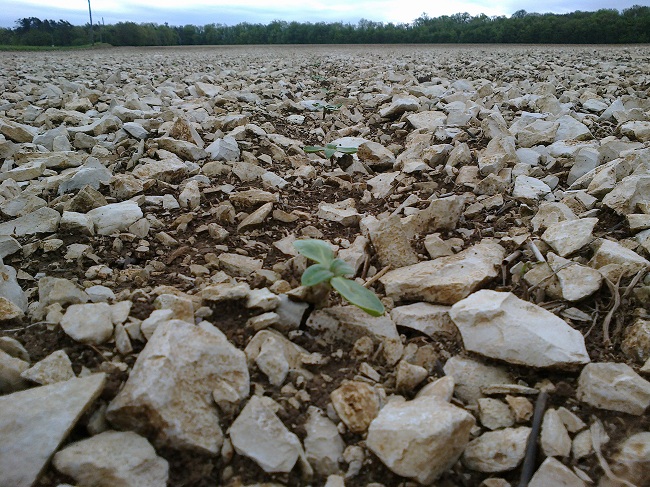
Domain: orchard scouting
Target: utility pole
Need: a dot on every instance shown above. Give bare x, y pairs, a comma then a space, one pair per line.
90, 12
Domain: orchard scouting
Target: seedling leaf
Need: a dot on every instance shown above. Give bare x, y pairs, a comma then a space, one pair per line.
358, 295
316, 250
315, 274
313, 148
341, 268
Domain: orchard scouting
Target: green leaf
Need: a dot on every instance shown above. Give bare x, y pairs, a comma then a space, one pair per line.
329, 152
313, 148
315, 274
347, 150
341, 268
358, 295
316, 250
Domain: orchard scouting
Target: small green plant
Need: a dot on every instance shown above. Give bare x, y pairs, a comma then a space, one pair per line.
331, 270
327, 108
329, 149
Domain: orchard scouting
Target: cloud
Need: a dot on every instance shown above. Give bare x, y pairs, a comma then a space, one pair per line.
202, 12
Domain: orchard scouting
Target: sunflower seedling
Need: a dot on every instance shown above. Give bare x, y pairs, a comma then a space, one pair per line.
331, 270
329, 149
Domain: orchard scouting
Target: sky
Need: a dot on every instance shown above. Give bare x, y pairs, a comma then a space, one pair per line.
230, 12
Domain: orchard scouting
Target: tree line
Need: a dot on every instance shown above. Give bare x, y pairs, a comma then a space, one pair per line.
606, 26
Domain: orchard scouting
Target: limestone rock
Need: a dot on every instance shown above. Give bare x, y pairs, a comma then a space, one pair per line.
34, 422
115, 217
260, 435
10, 290
113, 458
555, 439
632, 461
576, 281
356, 403
495, 414
11, 369
420, 439
497, 451
570, 236
445, 280
471, 376
56, 367
43, 220
429, 319
500, 325
274, 355
409, 376
323, 444
552, 472
225, 149
637, 341
186, 363
343, 212
613, 260
637, 130
614, 386
88, 323
400, 105
349, 323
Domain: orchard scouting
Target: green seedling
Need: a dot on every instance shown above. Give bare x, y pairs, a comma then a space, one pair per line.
328, 108
331, 270
329, 149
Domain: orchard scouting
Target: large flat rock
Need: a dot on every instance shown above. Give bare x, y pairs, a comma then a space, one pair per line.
34, 422
445, 280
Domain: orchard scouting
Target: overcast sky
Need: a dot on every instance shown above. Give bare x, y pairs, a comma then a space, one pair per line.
202, 12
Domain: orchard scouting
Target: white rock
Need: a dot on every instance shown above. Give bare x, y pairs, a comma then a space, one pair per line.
409, 376
495, 414
445, 280
400, 105
471, 376
260, 435
497, 451
43, 220
343, 212
427, 120
420, 439
58, 290
552, 472
638, 130
323, 444
631, 462
576, 281
429, 319
190, 197
136, 130
554, 439
56, 367
186, 363
225, 149
570, 236
350, 323
629, 194
34, 422
116, 458
275, 355
115, 217
88, 323
571, 129
529, 189
500, 325
11, 369
614, 386
613, 260
10, 289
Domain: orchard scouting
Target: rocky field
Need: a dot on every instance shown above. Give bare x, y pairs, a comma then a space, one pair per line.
153, 329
